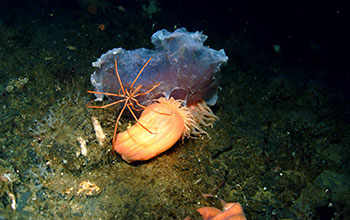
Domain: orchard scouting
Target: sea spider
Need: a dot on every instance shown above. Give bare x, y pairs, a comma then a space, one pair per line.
128, 96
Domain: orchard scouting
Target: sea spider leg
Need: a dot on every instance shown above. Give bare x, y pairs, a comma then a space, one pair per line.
134, 96
128, 96
150, 90
133, 114
116, 124
107, 105
129, 101
155, 85
119, 80
104, 93
104, 106
142, 106
140, 72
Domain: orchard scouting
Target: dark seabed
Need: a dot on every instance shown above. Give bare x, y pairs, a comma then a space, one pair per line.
280, 148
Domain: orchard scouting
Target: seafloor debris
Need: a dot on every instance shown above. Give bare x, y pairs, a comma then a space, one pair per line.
100, 135
7, 179
85, 188
57, 132
83, 149
13, 201
16, 84
88, 188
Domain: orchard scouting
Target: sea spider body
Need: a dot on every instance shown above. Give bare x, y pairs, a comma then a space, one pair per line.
128, 95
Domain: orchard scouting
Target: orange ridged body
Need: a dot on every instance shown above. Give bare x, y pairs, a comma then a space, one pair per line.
232, 211
167, 125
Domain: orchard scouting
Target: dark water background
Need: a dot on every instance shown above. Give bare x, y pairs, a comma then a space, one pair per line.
281, 147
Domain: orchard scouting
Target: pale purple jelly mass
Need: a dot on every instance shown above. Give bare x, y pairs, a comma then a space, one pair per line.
184, 67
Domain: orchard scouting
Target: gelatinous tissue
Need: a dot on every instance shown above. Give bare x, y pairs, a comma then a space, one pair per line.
184, 67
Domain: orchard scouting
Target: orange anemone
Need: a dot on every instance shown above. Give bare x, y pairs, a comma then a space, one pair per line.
230, 211
167, 120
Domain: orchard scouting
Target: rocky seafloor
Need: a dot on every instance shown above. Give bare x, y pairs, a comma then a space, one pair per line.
280, 147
